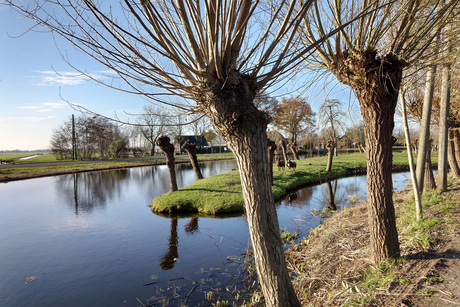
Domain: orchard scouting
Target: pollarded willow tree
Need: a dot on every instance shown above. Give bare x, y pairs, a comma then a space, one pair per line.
216, 56
369, 56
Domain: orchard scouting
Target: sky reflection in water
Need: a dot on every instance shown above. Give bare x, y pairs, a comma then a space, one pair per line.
90, 239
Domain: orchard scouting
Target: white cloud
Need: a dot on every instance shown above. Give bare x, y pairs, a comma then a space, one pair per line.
55, 105
45, 106
49, 77
108, 72
63, 78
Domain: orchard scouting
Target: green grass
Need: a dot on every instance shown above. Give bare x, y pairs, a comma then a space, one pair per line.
414, 232
16, 155
44, 158
222, 193
377, 278
76, 167
8, 174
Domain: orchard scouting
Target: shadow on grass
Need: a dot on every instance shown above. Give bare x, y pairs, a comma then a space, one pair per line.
209, 190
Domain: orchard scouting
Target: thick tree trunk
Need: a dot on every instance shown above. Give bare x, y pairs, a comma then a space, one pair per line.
263, 221
271, 152
376, 81
378, 127
243, 127
330, 154
451, 155
429, 181
168, 148
190, 148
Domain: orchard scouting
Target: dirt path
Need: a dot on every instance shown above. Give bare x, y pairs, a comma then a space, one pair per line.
436, 279
434, 273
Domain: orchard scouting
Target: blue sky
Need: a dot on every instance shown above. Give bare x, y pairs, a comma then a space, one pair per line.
35, 83
34, 80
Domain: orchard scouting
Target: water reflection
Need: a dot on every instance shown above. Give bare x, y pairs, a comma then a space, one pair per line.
192, 226
298, 199
331, 192
89, 190
171, 256
90, 238
86, 191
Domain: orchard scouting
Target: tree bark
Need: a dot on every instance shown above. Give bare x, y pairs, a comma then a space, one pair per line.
451, 155
235, 117
384, 236
457, 144
271, 152
190, 148
330, 154
425, 125
376, 81
429, 181
444, 114
168, 148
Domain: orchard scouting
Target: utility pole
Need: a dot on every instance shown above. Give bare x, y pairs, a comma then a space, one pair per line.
74, 140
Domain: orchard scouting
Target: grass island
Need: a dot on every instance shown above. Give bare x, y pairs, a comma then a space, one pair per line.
221, 194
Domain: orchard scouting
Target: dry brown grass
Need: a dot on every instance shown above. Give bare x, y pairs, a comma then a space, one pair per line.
332, 259
332, 266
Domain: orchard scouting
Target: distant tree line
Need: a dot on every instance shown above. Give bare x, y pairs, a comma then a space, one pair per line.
95, 137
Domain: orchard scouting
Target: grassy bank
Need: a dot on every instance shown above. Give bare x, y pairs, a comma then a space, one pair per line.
15, 156
221, 194
333, 266
47, 165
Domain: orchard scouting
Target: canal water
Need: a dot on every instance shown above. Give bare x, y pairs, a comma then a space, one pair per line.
90, 239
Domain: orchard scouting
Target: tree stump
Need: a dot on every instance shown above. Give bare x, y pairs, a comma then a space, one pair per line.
168, 148
282, 144
293, 148
330, 154
190, 148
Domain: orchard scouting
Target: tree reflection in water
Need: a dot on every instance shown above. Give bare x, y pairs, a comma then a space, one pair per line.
299, 199
86, 191
192, 225
331, 191
171, 256
89, 190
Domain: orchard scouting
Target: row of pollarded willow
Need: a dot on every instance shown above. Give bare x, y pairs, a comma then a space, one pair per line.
214, 55
370, 56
